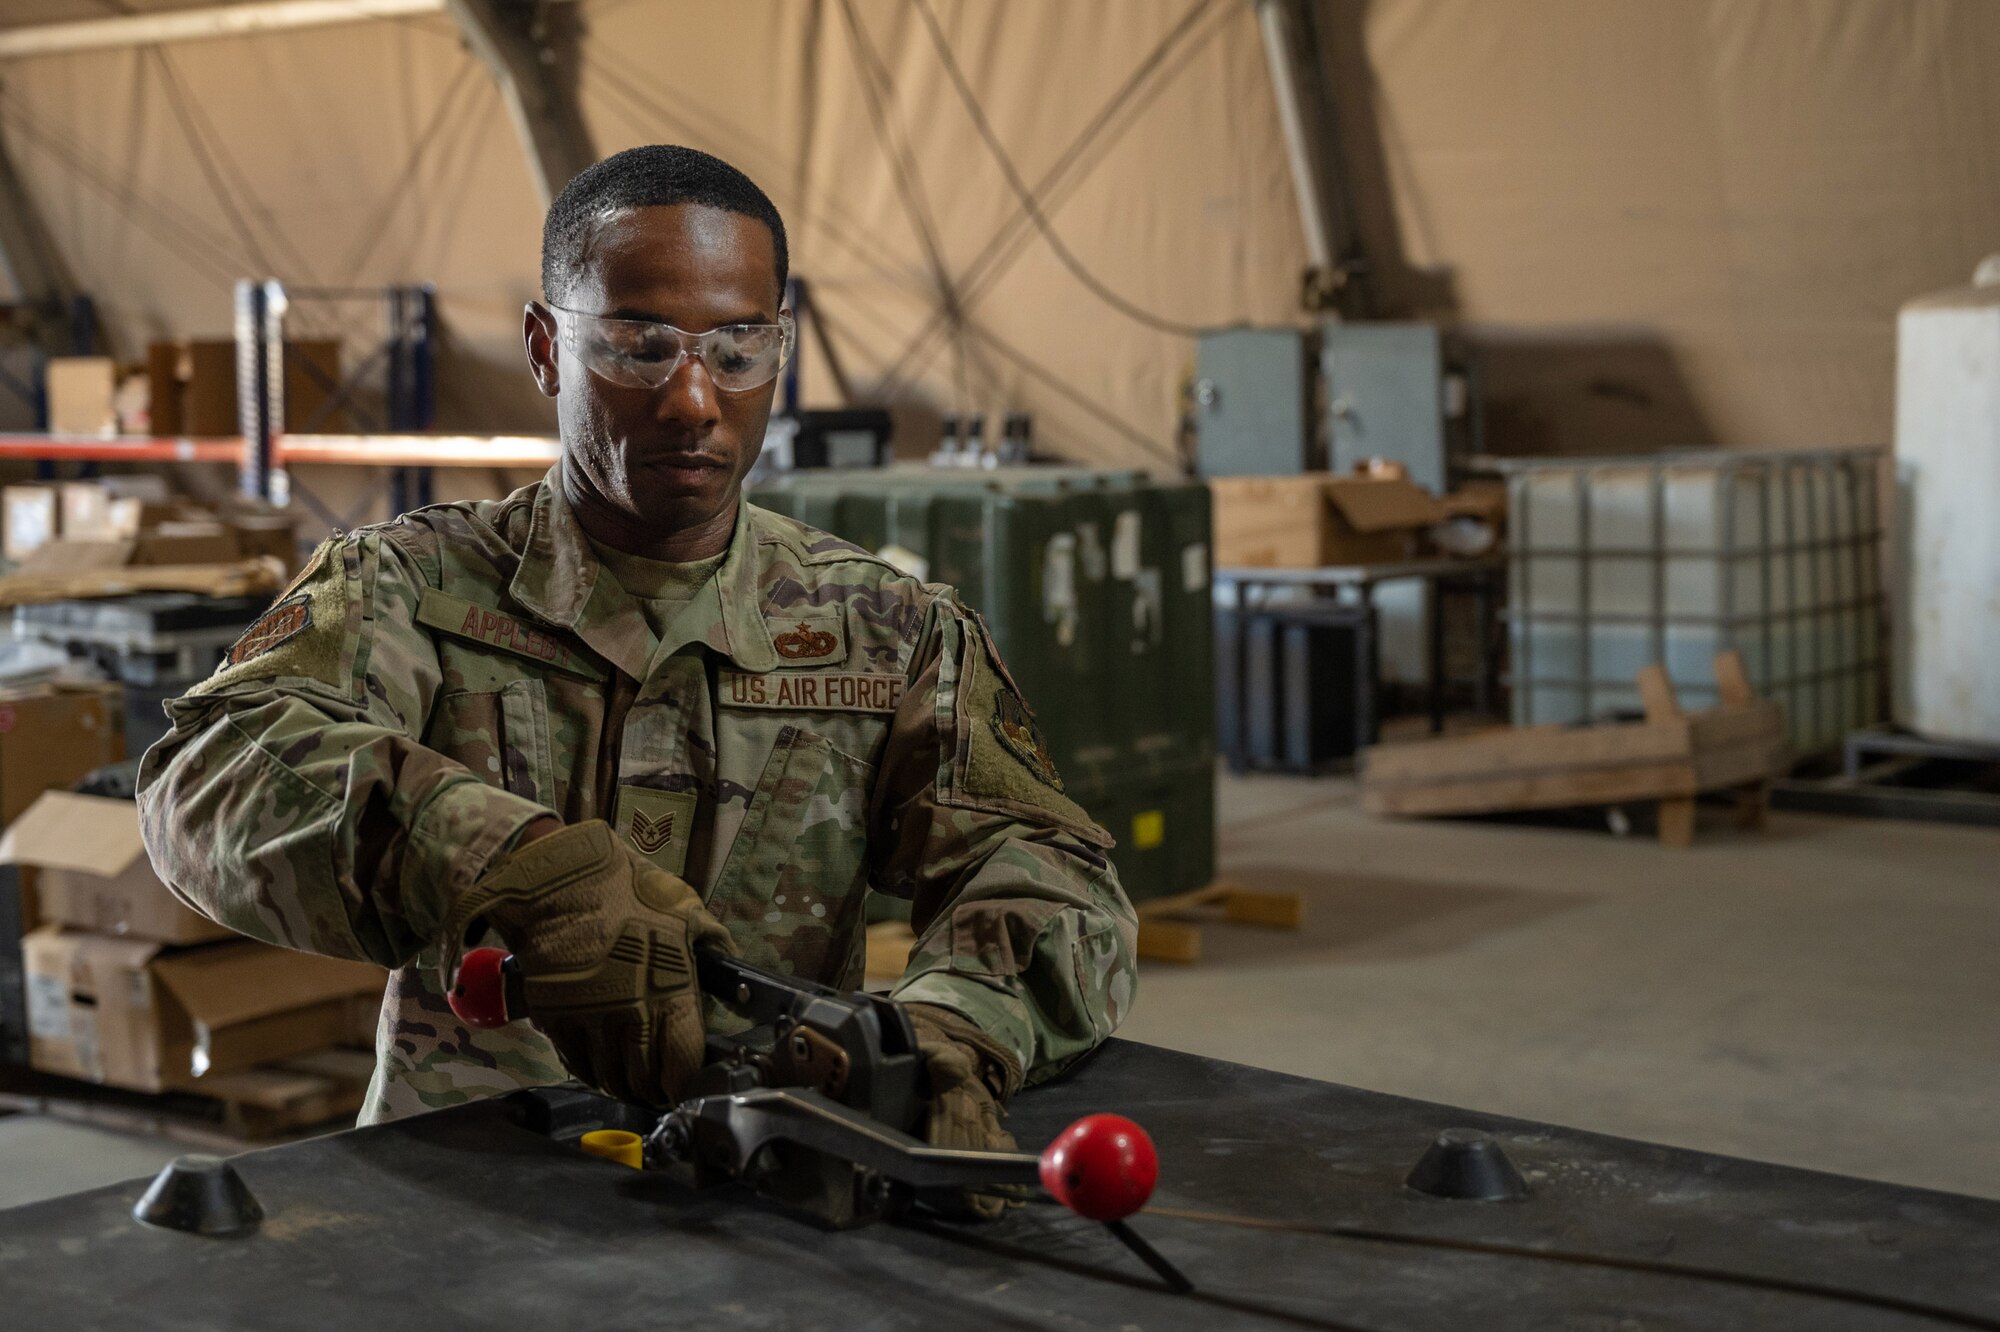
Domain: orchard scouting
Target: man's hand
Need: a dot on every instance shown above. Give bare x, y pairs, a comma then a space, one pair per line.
605, 943
971, 1076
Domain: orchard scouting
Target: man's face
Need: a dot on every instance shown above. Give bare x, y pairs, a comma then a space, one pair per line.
666, 460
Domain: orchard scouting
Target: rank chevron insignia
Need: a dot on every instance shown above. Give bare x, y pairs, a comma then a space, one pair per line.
652, 835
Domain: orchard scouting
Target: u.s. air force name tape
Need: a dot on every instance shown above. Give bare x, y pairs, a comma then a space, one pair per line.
812, 691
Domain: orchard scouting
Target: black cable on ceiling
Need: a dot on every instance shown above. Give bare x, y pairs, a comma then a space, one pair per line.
1129, 309
231, 170
878, 91
1063, 388
372, 232
1068, 170
825, 212
154, 218
245, 236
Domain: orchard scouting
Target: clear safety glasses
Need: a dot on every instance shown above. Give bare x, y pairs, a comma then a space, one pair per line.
641, 353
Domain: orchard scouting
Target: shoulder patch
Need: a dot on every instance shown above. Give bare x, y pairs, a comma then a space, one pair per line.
280, 624
304, 635
1001, 760
1015, 725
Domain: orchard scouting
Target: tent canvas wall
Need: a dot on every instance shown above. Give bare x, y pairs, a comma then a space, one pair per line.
1664, 224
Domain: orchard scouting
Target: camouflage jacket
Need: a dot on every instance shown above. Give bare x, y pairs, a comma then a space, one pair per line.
814, 724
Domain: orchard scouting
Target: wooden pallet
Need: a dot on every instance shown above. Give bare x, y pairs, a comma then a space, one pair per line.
1668, 759
272, 1101
889, 945
1166, 934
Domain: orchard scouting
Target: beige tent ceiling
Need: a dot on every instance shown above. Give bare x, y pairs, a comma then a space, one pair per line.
1664, 221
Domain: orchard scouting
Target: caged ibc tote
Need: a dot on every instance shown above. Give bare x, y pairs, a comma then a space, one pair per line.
1096, 587
1615, 563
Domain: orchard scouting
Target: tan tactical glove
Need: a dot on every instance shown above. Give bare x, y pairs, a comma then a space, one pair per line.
604, 940
971, 1075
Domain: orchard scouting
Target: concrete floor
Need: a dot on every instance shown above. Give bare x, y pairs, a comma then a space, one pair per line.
1825, 993
42, 1157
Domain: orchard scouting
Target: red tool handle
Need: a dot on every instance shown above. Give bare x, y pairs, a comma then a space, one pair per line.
1102, 1167
479, 991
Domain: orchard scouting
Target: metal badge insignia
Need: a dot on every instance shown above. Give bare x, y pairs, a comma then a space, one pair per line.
286, 620
1020, 737
805, 643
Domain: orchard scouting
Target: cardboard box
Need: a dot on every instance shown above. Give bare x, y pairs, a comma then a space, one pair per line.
1315, 520
80, 392
1483, 500
1269, 522
208, 388
134, 1013
31, 519
51, 737
178, 541
274, 534
193, 387
207, 542
92, 872
86, 510
126, 517
84, 555
1376, 519
149, 486
163, 389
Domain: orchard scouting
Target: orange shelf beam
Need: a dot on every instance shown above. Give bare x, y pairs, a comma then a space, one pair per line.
338, 450
63, 448
421, 450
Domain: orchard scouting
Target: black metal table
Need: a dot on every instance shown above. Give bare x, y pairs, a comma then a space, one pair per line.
468, 1218
1481, 578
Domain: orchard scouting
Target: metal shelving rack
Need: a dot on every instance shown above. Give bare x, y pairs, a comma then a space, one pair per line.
263, 451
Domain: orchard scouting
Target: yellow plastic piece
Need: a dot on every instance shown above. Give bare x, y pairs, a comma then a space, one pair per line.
627, 1149
1149, 829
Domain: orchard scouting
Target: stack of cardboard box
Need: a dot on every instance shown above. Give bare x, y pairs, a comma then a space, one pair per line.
127, 987
119, 522
186, 389
49, 737
1322, 519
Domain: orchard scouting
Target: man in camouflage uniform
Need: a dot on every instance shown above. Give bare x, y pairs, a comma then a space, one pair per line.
415, 743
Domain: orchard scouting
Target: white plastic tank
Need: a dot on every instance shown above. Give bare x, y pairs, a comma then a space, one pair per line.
1948, 470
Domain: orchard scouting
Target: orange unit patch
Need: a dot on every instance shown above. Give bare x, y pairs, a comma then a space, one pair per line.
284, 621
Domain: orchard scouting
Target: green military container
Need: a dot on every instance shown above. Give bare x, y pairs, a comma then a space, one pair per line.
1096, 586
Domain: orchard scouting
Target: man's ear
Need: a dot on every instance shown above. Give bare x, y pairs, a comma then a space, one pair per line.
538, 333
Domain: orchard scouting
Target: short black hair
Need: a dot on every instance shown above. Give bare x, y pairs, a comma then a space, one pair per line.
654, 175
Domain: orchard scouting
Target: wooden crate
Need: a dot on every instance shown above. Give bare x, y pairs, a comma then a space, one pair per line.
1670, 758
271, 1101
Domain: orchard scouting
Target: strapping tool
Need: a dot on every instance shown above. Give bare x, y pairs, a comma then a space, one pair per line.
816, 1108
